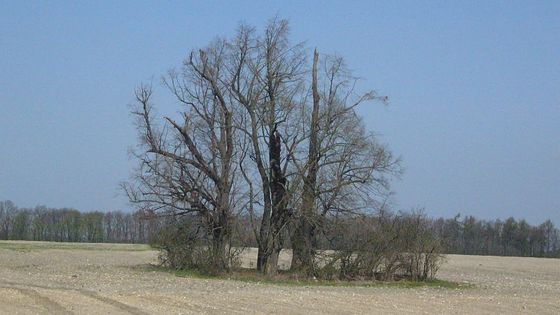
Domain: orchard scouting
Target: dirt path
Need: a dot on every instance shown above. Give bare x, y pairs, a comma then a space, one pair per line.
103, 280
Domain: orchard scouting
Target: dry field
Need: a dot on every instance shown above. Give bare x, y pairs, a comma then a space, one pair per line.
58, 278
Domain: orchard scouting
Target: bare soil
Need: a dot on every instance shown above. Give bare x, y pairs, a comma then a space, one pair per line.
62, 278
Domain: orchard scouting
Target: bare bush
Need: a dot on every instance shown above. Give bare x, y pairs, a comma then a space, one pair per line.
183, 246
385, 247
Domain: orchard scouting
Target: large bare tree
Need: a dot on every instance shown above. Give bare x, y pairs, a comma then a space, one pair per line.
187, 164
259, 131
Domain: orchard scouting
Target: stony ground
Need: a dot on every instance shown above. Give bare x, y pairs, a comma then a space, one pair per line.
55, 278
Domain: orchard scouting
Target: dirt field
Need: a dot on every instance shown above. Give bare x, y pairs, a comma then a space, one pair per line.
57, 278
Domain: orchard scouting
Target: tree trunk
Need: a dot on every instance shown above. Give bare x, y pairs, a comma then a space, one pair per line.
219, 262
304, 234
219, 241
264, 231
271, 266
221, 230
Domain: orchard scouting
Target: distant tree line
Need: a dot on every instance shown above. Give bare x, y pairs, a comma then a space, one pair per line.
70, 225
471, 236
468, 235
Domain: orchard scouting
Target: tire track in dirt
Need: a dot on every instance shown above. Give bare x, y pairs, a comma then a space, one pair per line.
51, 306
192, 306
55, 308
121, 306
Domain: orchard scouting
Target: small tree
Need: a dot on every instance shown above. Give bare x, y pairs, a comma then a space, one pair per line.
345, 170
7, 212
20, 230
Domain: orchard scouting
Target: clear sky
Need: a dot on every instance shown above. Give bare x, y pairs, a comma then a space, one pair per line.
474, 93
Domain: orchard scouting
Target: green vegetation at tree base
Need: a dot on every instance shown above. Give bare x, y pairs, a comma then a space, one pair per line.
287, 278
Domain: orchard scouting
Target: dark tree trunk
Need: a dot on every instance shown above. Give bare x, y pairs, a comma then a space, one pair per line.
272, 243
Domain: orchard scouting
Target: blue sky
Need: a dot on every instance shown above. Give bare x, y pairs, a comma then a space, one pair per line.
474, 93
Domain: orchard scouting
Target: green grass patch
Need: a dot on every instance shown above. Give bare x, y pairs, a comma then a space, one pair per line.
288, 279
26, 246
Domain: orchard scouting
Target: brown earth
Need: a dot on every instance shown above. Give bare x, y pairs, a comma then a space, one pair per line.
61, 278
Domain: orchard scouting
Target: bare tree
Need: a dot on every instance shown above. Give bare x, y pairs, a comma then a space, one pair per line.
302, 238
346, 168
7, 214
187, 166
267, 82
250, 112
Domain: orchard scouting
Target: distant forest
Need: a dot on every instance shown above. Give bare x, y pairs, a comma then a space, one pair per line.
459, 235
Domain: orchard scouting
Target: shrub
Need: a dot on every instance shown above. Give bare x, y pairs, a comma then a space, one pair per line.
386, 247
183, 246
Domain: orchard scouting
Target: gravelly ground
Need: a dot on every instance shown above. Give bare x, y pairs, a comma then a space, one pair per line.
103, 279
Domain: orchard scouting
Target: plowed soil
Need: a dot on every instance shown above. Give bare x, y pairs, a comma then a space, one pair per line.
62, 278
